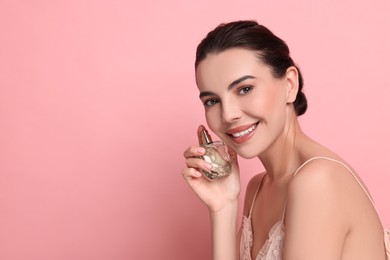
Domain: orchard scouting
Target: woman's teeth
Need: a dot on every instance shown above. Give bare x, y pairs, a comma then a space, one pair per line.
245, 132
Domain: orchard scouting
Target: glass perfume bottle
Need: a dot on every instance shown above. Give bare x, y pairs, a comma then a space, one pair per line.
216, 154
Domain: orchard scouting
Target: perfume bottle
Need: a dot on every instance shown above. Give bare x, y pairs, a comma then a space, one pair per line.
216, 154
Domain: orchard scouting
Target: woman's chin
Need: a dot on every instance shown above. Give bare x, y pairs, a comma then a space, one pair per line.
247, 154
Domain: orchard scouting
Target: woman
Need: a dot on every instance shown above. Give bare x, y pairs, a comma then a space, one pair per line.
309, 203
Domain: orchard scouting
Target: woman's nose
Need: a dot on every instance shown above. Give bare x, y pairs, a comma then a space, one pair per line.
231, 111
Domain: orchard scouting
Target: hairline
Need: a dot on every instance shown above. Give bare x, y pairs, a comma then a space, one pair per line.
259, 55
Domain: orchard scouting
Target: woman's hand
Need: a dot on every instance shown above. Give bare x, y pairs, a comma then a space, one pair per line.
216, 194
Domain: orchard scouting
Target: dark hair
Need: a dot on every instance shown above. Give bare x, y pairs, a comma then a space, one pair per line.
271, 50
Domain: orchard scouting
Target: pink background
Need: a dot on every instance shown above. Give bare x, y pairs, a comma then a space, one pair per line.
98, 102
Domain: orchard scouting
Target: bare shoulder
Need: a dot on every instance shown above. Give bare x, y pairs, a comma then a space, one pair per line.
324, 187
321, 174
251, 189
329, 181
326, 203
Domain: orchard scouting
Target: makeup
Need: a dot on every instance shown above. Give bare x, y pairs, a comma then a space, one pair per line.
217, 155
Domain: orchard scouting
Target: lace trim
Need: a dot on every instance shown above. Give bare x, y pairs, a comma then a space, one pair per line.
246, 240
387, 243
272, 248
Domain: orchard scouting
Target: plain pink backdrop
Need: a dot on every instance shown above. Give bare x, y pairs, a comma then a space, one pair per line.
98, 102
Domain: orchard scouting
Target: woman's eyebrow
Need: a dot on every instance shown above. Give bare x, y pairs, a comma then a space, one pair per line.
231, 85
206, 93
239, 80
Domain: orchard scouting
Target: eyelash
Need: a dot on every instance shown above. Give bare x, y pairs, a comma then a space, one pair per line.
247, 90
212, 101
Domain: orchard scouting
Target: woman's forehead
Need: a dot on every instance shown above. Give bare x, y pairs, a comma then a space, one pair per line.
227, 66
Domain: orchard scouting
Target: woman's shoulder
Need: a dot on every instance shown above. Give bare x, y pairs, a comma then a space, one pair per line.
327, 197
325, 184
322, 167
318, 194
322, 171
255, 181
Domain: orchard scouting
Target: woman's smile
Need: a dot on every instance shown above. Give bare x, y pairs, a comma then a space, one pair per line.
242, 134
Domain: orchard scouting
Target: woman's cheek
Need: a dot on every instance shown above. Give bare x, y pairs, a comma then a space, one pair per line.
212, 119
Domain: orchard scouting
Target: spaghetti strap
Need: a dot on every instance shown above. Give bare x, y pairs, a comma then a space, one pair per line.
257, 191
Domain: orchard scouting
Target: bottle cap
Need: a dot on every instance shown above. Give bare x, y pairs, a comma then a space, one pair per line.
205, 137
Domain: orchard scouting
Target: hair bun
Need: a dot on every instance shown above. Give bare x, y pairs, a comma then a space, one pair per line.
300, 103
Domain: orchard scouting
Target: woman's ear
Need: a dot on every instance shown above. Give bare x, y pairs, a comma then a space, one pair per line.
292, 84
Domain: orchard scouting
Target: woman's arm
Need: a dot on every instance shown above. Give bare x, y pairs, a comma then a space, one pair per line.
316, 222
224, 232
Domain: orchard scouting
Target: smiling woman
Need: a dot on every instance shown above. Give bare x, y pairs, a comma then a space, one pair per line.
252, 94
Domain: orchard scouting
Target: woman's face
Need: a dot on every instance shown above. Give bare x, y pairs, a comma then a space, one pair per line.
245, 105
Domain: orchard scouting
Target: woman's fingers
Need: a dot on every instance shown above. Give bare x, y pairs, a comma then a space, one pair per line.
198, 163
198, 132
194, 151
194, 162
190, 173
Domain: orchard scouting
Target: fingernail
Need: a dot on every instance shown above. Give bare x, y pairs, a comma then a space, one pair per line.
200, 150
208, 165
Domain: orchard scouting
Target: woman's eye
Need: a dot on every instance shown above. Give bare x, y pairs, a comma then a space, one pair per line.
210, 102
245, 90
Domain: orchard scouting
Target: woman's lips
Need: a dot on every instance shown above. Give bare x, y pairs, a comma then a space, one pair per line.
243, 133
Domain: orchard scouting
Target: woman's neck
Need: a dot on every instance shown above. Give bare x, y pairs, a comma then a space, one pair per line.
282, 158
